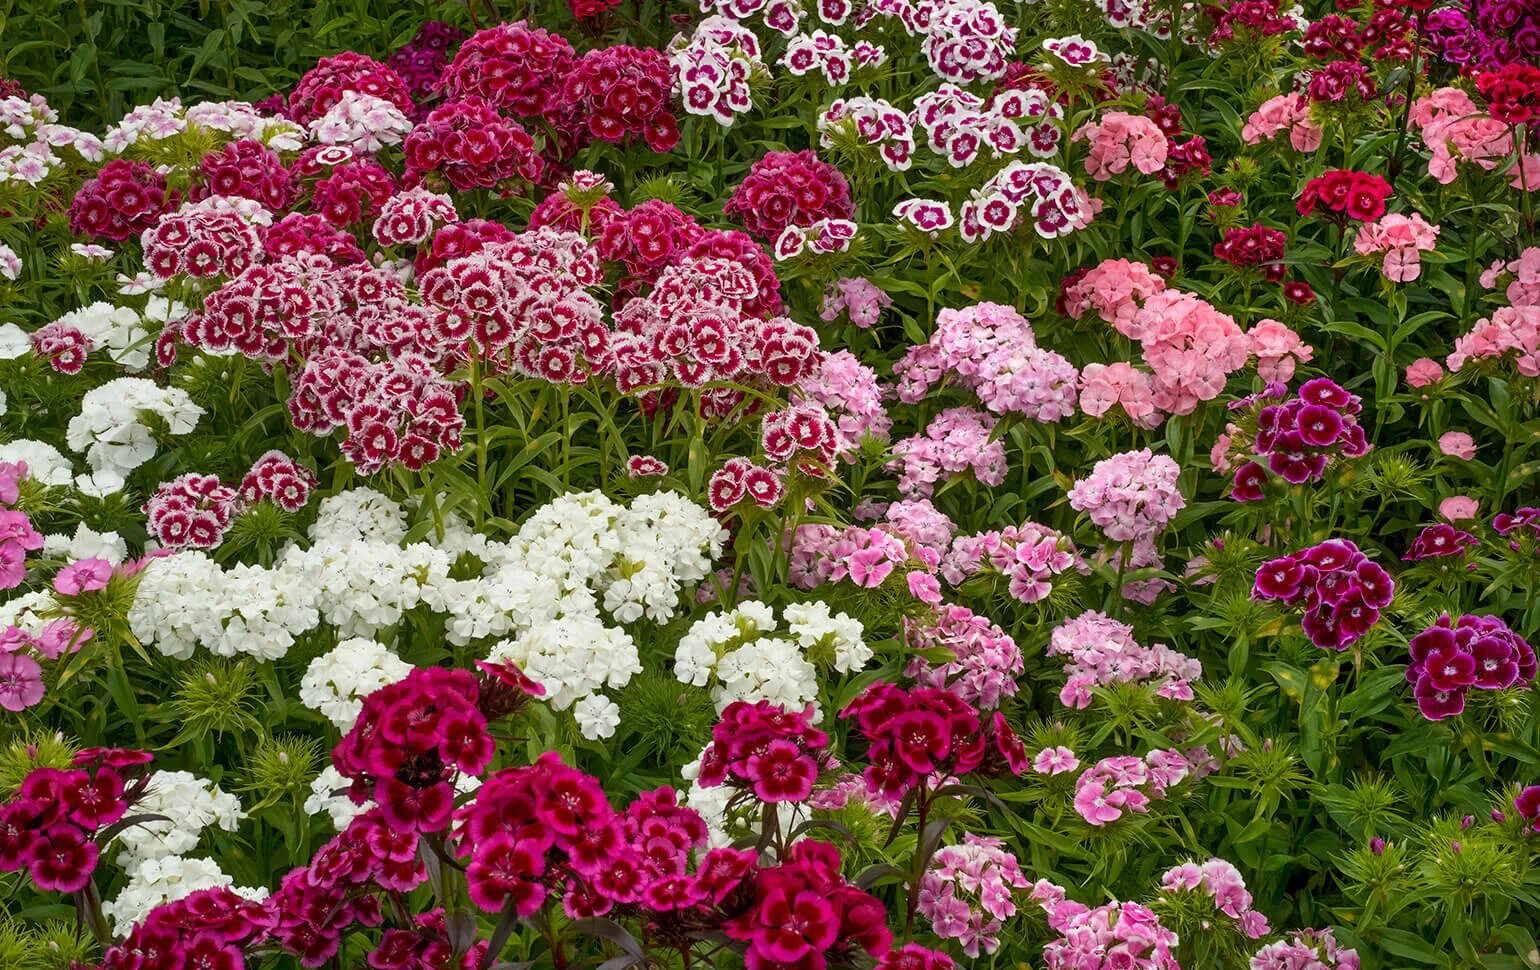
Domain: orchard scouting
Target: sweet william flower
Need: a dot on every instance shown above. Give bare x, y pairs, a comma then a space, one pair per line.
21, 682
1457, 444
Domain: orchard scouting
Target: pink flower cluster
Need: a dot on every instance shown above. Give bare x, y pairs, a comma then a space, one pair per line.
123, 199
472, 146
917, 736
1221, 881
1119, 141
1511, 332
325, 84
208, 928
63, 346
1457, 131
1401, 240
514, 67
1122, 784
740, 481
857, 297
1102, 651
624, 92
1284, 113
775, 753
1341, 590
955, 441
967, 41
848, 392
990, 349
1306, 950
191, 511
966, 892
1520, 277
984, 664
1131, 496
1028, 556
825, 554
248, 169
203, 240
1115, 934
1452, 657
410, 218
17, 536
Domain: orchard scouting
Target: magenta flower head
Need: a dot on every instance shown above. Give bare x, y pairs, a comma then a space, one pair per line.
1452, 657
1248, 483
1342, 592
767, 749
1527, 804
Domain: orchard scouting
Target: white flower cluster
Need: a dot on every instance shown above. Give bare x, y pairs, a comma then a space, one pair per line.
735, 654
361, 122
10, 263
337, 682
111, 432
190, 804
45, 463
86, 543
32, 612
118, 330
166, 118
33, 125
155, 882
554, 590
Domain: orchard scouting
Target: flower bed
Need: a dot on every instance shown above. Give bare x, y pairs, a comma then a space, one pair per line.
899, 484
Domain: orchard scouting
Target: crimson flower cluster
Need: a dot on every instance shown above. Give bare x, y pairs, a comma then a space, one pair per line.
422, 60
122, 200
1452, 657
1182, 157
740, 481
470, 144
248, 169
204, 241
645, 239
1254, 246
801, 433
210, 928
766, 749
63, 346
307, 232
512, 67
926, 735
191, 511
352, 192
1300, 436
1249, 21
414, 737
1341, 590
332, 77
624, 91
1527, 804
1345, 194
49, 826
1512, 92
789, 189
1333, 83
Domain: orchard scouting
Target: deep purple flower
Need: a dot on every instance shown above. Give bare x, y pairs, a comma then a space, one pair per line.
1318, 425
1248, 482
1436, 704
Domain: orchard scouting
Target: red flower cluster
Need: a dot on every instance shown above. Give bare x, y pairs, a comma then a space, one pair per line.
805, 914
1248, 21
412, 739
1345, 194
740, 480
191, 511
248, 169
1182, 157
461, 239
766, 749
47, 826
1512, 92
353, 192
646, 239
740, 248
926, 734
63, 346
472, 146
1333, 83
1254, 246
1341, 590
124, 199
511, 66
421, 61
325, 84
624, 91
280, 479
789, 188
203, 240
210, 928
801, 433
306, 232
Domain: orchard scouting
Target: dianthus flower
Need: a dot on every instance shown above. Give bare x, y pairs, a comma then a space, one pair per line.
1102, 652
470, 144
1124, 784
1256, 246
955, 441
1286, 112
123, 199
624, 92
511, 66
1028, 557
1130, 496
1299, 437
1119, 141
1340, 589
248, 169
1121, 934
984, 664
1401, 239
1306, 950
919, 736
966, 892
789, 188
191, 511
1452, 657
1221, 885
764, 748
1344, 194
1511, 332
324, 85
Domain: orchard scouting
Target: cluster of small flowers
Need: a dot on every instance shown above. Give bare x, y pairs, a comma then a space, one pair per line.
624, 92
154, 883
955, 441
1511, 332
858, 298
1123, 784
421, 61
819, 51
1039, 191
1028, 556
1341, 590
966, 892
1457, 131
769, 749
1222, 882
1131, 496
990, 349
212, 925
1399, 240
826, 554
34, 127
985, 661
1119, 141
472, 146
1451, 657
1102, 651
876, 123
64, 347
191, 511
1283, 113
713, 68
785, 189
1121, 934
246, 169
49, 825
358, 121
324, 85
1440, 541
336, 683
967, 41
1345, 194
123, 199
822, 237
915, 737
28, 637
1306, 950
111, 428
960, 125
1300, 436
737, 654
1254, 247
1519, 277
212, 238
